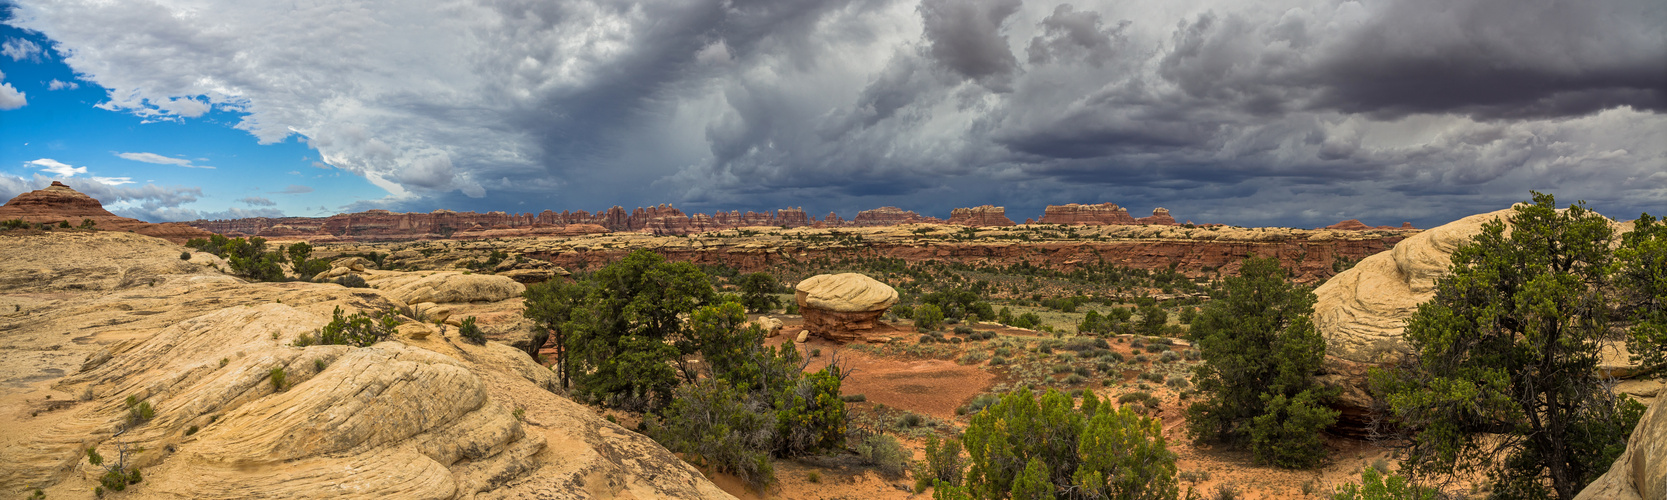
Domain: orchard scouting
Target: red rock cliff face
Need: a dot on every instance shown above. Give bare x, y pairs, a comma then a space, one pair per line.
59, 202
980, 216
886, 216
1160, 216
1074, 214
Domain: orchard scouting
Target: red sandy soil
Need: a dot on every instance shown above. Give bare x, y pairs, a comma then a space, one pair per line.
936, 387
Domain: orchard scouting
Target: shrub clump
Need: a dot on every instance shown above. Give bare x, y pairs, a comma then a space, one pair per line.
884, 453
1030, 447
470, 332
357, 330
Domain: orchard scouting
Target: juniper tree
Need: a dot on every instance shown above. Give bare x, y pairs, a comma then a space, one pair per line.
1261, 351
1503, 379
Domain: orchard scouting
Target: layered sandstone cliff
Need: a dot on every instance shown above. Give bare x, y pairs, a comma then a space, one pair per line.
1075, 214
980, 216
884, 216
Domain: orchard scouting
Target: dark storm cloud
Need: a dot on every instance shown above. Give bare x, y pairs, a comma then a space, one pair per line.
1291, 111
1069, 33
1501, 59
966, 37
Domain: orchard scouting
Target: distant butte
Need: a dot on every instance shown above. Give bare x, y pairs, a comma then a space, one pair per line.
60, 203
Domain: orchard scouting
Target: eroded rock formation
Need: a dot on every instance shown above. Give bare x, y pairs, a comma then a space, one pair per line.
844, 307
1160, 216
980, 216
1075, 214
885, 216
59, 203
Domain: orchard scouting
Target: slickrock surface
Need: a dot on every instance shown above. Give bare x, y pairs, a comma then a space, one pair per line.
421, 415
1641, 472
59, 202
843, 307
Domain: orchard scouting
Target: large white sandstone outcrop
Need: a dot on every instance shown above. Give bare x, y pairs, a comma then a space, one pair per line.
422, 415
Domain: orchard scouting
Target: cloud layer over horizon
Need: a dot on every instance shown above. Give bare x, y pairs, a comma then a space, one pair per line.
1293, 112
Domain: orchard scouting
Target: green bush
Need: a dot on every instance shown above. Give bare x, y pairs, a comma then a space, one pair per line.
1261, 352
758, 292
278, 379
944, 462
884, 453
470, 332
1375, 485
139, 412
1095, 451
352, 281
810, 417
710, 422
928, 317
357, 330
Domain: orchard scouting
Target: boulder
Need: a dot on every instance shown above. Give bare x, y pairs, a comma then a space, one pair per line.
771, 326
1641, 471
844, 307
528, 276
356, 264
804, 335
447, 287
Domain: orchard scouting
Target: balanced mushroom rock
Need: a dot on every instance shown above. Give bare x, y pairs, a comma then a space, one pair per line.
844, 307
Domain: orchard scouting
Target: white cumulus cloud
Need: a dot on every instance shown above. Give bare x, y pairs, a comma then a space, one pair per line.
19, 49
10, 97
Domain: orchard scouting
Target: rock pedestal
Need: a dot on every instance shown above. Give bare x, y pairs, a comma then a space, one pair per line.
844, 307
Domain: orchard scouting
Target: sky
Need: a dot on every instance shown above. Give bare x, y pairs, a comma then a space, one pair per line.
1285, 112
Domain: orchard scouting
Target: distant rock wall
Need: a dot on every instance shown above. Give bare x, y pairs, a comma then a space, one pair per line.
382, 225
1074, 214
980, 216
